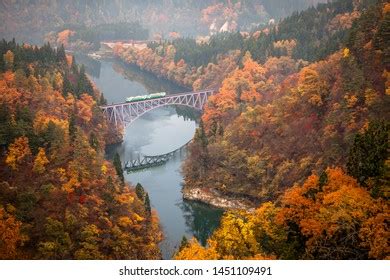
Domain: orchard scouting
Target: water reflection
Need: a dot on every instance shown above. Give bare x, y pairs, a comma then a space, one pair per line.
92, 66
201, 219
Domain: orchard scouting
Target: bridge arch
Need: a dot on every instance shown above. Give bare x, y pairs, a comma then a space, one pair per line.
126, 113
159, 106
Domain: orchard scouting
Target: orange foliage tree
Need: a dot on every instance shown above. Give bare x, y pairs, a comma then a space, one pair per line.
327, 217
10, 236
18, 153
334, 215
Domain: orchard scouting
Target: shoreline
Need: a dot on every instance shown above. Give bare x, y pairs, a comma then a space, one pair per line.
217, 199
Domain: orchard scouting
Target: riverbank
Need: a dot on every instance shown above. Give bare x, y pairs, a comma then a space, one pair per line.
217, 199
157, 75
152, 135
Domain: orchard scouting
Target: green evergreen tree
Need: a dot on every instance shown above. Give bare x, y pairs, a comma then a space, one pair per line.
83, 83
382, 38
200, 135
140, 192
6, 126
66, 86
118, 167
369, 152
93, 141
184, 243
148, 208
2, 64
109, 193
52, 136
72, 127
74, 68
102, 100
323, 179
61, 56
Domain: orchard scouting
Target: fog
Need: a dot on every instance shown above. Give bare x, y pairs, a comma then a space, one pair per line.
34, 21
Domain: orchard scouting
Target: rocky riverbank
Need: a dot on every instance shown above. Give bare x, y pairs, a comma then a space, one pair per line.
217, 199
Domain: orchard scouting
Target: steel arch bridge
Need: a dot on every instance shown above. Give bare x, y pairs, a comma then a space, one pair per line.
126, 113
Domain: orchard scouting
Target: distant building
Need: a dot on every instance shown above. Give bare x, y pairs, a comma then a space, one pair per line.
213, 27
225, 27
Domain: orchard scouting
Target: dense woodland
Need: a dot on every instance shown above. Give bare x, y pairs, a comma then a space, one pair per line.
313, 142
82, 38
29, 21
59, 197
299, 125
305, 36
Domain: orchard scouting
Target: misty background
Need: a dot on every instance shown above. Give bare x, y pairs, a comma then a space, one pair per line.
33, 21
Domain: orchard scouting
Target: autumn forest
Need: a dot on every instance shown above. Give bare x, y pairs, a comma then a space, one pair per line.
294, 142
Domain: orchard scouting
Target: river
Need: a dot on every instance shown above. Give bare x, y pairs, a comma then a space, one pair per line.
159, 131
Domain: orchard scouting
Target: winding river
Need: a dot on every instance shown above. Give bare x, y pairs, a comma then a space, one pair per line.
157, 132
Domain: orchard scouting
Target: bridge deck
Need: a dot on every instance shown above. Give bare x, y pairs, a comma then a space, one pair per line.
166, 96
127, 112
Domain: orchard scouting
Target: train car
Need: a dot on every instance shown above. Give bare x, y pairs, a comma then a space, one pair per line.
145, 97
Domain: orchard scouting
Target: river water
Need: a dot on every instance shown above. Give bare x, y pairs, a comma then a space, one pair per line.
157, 132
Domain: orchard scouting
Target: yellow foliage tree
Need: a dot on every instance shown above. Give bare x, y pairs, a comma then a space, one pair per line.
235, 239
18, 152
40, 162
84, 107
195, 251
311, 87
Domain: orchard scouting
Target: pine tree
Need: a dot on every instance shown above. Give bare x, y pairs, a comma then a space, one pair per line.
102, 100
140, 192
369, 152
7, 131
147, 204
118, 167
83, 83
72, 127
2, 64
93, 141
184, 243
61, 56
200, 135
66, 86
323, 179
74, 68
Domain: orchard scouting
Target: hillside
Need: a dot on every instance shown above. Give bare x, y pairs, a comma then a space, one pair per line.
293, 145
282, 121
306, 36
312, 145
30, 21
59, 197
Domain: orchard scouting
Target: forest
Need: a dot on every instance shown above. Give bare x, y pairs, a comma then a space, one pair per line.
82, 38
299, 126
206, 64
59, 197
311, 144
29, 21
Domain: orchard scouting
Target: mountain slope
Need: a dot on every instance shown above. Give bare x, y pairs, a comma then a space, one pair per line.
29, 21
59, 197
